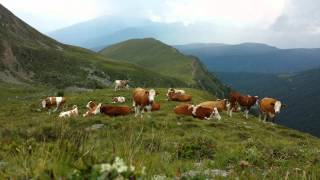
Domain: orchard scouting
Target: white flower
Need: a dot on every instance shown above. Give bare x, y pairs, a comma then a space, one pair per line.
132, 168
143, 171
106, 167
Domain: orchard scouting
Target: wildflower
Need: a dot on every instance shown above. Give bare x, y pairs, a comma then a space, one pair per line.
105, 167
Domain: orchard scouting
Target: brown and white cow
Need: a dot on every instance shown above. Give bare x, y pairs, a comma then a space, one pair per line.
50, 102
143, 99
121, 84
184, 109
205, 113
155, 107
119, 99
270, 107
179, 97
71, 113
233, 99
247, 102
110, 110
221, 105
181, 91
93, 109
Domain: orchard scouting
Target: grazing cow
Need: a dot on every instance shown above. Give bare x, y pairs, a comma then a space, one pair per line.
73, 112
121, 84
50, 102
143, 99
270, 107
221, 105
205, 113
184, 109
179, 97
247, 102
93, 109
233, 99
118, 99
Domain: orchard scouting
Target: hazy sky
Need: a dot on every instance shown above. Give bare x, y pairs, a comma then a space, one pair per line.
283, 23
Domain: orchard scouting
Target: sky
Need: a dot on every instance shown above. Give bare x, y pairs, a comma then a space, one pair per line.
283, 23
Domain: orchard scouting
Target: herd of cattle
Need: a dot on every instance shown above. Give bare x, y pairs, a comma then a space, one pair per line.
144, 101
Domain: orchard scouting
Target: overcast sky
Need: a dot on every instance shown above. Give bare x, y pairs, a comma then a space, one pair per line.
284, 23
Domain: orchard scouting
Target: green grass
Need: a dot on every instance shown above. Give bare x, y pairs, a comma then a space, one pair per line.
34, 144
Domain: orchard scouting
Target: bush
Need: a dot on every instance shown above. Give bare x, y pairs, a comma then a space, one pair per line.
196, 148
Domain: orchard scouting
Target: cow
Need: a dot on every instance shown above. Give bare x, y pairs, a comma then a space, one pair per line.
94, 109
115, 110
184, 109
73, 112
221, 105
50, 102
155, 107
233, 99
118, 99
205, 113
269, 107
179, 97
247, 102
143, 99
121, 84
175, 91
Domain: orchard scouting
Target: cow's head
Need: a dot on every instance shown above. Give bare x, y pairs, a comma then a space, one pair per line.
151, 94
91, 105
215, 114
74, 107
44, 103
277, 106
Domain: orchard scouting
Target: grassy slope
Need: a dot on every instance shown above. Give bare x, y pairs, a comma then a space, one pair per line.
34, 144
159, 57
43, 60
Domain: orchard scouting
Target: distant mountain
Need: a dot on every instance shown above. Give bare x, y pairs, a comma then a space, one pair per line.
98, 33
299, 91
27, 56
157, 56
253, 57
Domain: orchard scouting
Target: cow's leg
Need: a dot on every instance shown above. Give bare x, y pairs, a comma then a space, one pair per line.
141, 111
265, 117
136, 110
115, 88
149, 110
246, 112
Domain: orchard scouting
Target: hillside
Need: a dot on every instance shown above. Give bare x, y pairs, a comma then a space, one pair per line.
159, 57
27, 56
36, 145
299, 91
253, 58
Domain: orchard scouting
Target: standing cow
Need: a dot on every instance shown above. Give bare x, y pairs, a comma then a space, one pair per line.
233, 99
119, 84
143, 99
270, 107
50, 102
247, 102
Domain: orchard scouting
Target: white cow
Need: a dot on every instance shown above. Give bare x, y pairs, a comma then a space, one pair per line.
73, 112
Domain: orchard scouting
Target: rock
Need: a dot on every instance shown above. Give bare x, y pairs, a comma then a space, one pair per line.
94, 127
244, 164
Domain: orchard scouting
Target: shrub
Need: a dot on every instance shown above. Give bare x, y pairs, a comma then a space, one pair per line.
196, 148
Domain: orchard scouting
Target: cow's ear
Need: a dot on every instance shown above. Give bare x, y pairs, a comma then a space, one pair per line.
272, 104
283, 106
147, 92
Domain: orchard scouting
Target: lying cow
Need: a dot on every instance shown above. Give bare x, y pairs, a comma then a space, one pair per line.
205, 113
118, 99
175, 91
221, 105
94, 109
50, 102
179, 97
121, 84
246, 102
155, 107
143, 99
184, 109
73, 112
270, 107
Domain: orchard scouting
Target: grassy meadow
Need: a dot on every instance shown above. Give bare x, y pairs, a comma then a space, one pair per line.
38, 146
